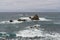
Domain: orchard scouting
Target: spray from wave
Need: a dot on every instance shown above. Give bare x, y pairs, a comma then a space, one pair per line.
38, 33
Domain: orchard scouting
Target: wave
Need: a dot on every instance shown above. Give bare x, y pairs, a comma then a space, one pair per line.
7, 22
34, 33
38, 34
40, 19
44, 19
29, 32
26, 18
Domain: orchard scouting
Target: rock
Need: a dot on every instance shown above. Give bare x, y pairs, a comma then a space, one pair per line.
31, 27
11, 20
30, 17
34, 17
21, 20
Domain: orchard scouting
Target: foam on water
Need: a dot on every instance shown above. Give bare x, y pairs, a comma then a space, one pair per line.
7, 22
44, 19
40, 19
29, 32
26, 18
38, 33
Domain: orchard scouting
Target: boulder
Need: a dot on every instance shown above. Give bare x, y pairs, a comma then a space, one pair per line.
11, 21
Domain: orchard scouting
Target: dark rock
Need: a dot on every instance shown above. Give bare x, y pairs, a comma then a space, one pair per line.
31, 27
34, 17
11, 20
29, 17
21, 20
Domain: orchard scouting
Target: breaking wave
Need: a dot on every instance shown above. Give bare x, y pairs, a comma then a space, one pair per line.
38, 33
34, 34
7, 22
30, 32
40, 19
26, 18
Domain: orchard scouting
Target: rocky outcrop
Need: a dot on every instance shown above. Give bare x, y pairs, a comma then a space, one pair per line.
34, 17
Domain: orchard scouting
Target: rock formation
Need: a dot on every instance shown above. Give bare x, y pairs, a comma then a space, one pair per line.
34, 17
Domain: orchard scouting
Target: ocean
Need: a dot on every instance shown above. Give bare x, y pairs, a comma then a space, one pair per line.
49, 26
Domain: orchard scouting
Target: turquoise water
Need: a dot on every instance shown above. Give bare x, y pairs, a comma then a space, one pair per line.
51, 28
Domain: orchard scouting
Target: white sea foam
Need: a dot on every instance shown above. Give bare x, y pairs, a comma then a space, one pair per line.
44, 19
26, 18
7, 22
40, 19
38, 33
30, 32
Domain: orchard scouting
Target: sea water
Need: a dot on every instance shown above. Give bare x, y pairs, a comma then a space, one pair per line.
49, 26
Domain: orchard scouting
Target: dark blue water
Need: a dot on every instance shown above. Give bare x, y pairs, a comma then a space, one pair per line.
52, 26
